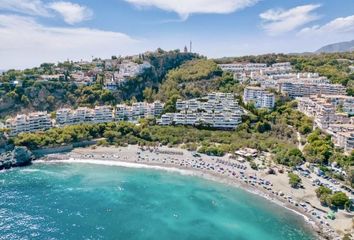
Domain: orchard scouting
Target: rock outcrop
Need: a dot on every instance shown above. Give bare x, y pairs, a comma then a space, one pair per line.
19, 156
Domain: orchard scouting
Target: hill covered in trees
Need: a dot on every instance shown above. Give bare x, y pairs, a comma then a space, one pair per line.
37, 95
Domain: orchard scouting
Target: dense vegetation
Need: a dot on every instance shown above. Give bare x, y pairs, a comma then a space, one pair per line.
34, 94
192, 79
150, 134
337, 199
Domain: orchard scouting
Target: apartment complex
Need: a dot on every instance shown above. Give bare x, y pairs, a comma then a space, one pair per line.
345, 140
242, 67
259, 96
324, 110
217, 110
138, 110
256, 71
100, 114
305, 89
32, 122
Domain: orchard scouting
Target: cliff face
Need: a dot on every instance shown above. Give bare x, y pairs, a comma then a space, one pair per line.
19, 156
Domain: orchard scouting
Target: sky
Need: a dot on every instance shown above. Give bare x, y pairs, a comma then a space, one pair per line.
37, 31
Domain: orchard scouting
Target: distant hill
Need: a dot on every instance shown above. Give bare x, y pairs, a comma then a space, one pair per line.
337, 47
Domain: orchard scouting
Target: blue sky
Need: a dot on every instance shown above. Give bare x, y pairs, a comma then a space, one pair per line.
35, 31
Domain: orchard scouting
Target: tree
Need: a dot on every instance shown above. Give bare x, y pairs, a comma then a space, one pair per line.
263, 127
170, 105
294, 180
25, 100
148, 94
322, 190
339, 199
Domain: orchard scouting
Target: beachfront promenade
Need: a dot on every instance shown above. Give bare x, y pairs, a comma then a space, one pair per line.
233, 171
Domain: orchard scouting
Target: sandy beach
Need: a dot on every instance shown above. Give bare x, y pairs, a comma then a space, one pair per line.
224, 169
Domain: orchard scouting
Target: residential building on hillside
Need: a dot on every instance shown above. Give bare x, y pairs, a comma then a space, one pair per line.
343, 103
259, 96
324, 111
100, 114
300, 89
217, 110
345, 140
281, 65
256, 71
32, 122
52, 77
138, 110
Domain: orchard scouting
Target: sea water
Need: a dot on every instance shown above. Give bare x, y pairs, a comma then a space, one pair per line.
83, 201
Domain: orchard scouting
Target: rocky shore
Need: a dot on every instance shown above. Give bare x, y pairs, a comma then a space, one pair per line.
18, 157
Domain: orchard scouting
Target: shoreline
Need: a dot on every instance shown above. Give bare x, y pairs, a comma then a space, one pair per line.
192, 173
167, 159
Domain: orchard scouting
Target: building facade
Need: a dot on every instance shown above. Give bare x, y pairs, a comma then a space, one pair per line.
32, 122
216, 110
259, 96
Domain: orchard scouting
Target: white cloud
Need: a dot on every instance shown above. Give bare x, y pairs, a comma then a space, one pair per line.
342, 25
71, 12
278, 21
31, 7
26, 43
186, 7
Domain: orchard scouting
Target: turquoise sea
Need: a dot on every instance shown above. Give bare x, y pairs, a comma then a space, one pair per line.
83, 201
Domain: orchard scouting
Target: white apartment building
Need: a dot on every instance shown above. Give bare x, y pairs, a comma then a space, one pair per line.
343, 102
32, 122
138, 110
281, 65
301, 89
333, 129
345, 140
338, 124
123, 113
222, 120
259, 96
217, 110
232, 67
67, 116
213, 102
167, 119
242, 67
322, 110
100, 114
256, 71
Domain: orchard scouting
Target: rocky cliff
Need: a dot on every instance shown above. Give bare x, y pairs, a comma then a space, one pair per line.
19, 156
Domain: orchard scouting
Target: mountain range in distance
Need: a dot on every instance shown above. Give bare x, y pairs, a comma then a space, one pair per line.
337, 47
